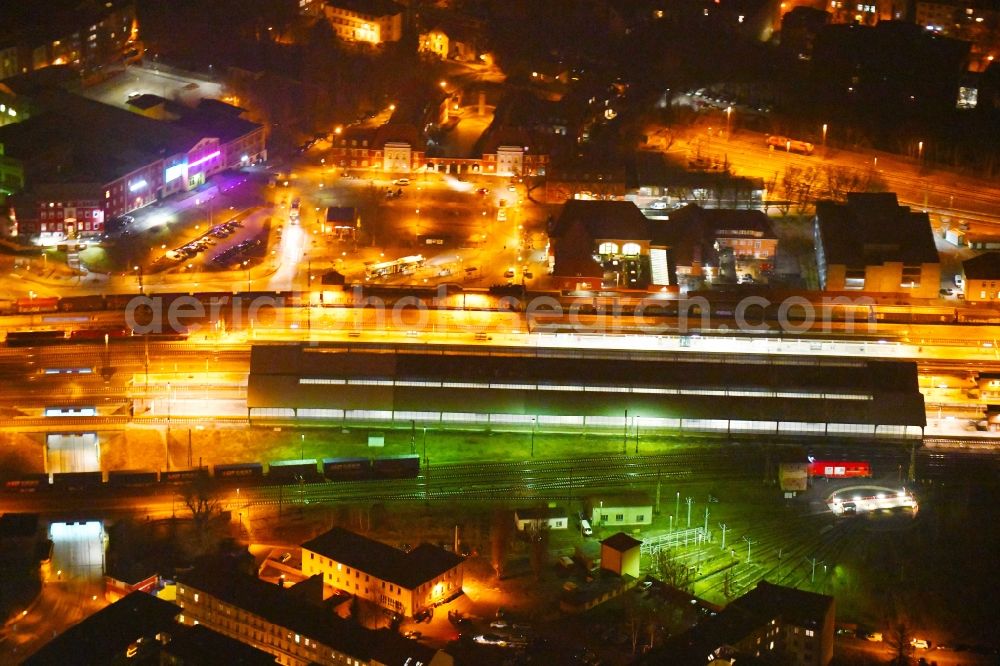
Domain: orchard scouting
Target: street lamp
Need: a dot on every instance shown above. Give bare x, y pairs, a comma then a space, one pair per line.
824, 135
138, 272
246, 265
636, 434
729, 114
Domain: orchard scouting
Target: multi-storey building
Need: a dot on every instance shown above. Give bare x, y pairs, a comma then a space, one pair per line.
873, 244
402, 582
611, 244
87, 35
982, 278
292, 623
770, 623
80, 162
975, 21
368, 21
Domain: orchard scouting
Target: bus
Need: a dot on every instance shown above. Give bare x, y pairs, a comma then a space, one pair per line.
403, 266
790, 145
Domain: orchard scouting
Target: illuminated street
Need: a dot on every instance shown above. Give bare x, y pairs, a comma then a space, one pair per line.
497, 333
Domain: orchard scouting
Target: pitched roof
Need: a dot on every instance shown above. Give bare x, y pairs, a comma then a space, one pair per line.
574, 253
805, 609
14, 525
872, 229
200, 645
282, 606
983, 267
691, 232
620, 220
621, 542
540, 513
741, 618
390, 564
368, 7
104, 636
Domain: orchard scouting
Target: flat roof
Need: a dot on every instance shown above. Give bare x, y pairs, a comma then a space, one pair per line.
872, 229
727, 387
77, 139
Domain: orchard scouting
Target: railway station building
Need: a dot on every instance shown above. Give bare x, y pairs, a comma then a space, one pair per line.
504, 388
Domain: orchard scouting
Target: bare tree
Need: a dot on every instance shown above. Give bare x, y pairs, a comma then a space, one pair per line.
805, 188
898, 639
199, 498
634, 619
669, 569
538, 542
500, 533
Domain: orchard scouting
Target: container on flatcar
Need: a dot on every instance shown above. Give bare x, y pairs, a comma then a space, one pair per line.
347, 469
397, 467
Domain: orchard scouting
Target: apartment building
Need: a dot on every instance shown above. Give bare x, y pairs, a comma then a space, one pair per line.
402, 582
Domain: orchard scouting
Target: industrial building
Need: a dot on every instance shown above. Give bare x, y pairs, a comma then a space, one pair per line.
573, 390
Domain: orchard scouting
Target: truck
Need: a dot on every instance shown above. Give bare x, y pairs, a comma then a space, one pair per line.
777, 142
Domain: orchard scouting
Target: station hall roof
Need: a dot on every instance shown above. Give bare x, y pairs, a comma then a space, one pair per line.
559, 382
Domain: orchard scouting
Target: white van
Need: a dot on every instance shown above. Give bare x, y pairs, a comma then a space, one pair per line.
586, 528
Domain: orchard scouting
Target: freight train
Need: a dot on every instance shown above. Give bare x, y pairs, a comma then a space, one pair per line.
275, 473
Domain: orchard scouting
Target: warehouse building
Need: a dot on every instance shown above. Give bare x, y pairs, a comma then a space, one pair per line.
573, 390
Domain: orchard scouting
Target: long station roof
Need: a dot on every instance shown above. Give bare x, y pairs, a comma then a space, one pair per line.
536, 382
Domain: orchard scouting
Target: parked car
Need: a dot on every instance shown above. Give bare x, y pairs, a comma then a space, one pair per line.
659, 204
402, 182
